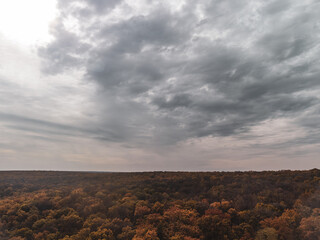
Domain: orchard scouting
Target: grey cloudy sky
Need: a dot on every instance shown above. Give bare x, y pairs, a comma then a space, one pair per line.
163, 85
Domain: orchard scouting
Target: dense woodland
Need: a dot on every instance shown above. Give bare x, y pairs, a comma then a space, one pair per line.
160, 205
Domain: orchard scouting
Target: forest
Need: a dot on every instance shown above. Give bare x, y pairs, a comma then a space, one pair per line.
265, 205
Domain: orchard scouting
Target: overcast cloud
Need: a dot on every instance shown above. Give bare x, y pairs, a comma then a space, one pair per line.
170, 85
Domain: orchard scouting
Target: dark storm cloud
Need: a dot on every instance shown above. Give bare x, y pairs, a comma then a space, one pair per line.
64, 52
211, 68
179, 100
85, 8
136, 59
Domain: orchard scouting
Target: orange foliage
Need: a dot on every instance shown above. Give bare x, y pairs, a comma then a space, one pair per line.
279, 205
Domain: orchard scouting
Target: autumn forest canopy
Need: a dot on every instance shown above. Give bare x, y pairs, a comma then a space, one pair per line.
267, 205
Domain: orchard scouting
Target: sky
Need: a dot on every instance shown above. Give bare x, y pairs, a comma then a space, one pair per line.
147, 85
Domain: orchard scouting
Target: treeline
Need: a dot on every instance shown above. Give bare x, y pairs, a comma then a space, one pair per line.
160, 205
